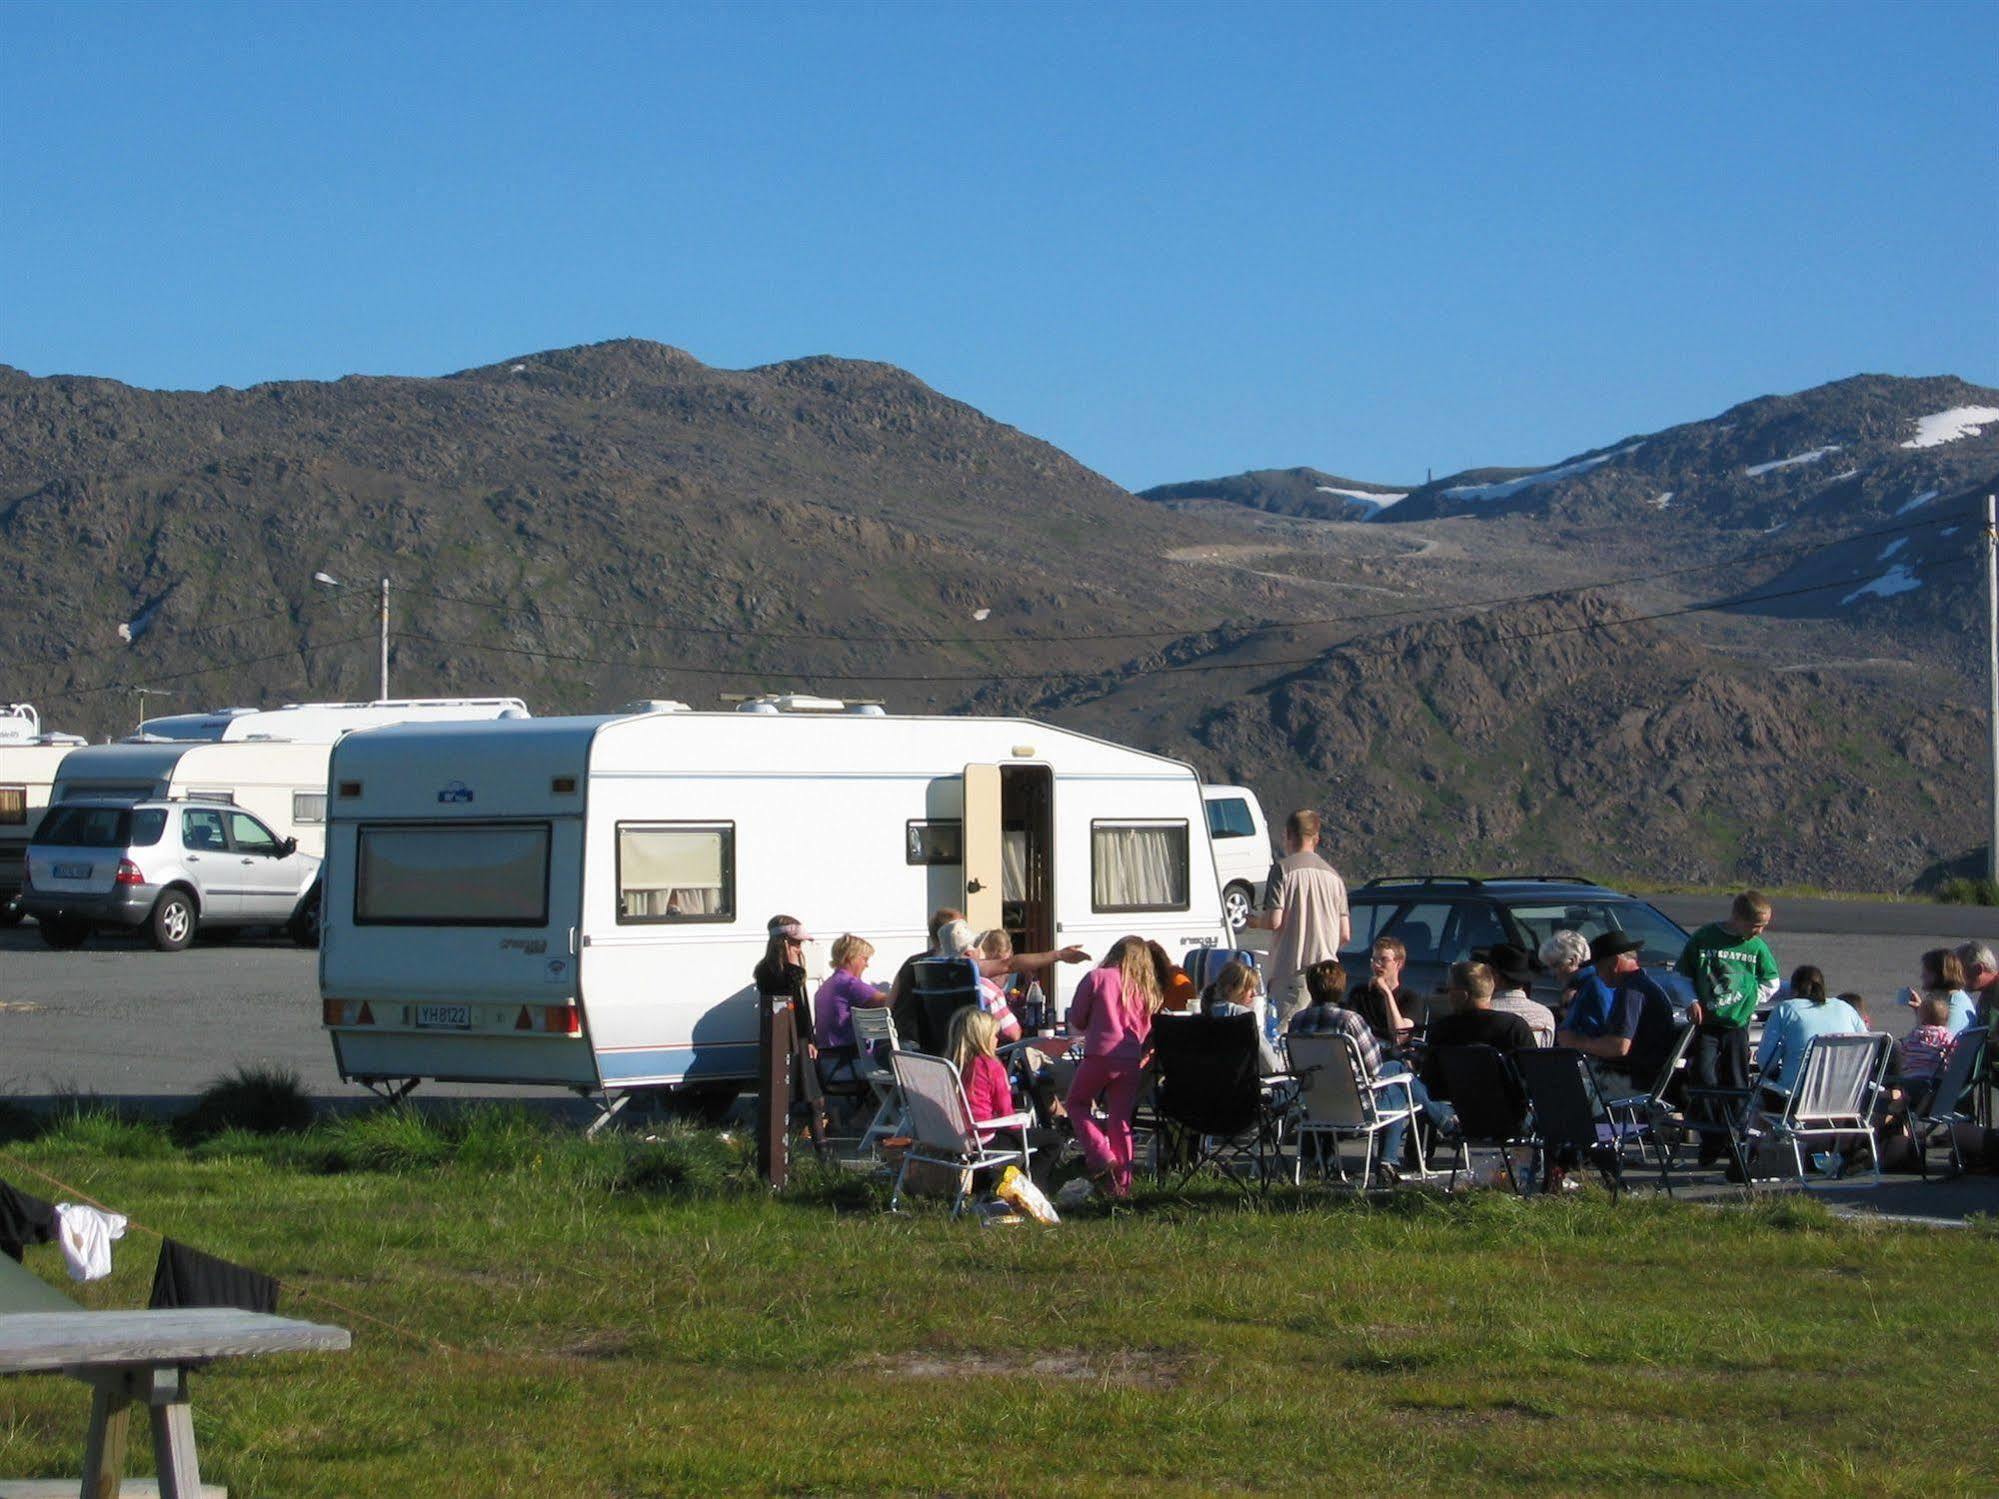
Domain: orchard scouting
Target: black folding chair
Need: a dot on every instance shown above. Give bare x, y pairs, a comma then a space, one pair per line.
1490, 1102
942, 987
1210, 1106
1562, 1090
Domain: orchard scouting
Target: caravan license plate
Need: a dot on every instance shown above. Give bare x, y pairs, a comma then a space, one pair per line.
444, 1017
72, 871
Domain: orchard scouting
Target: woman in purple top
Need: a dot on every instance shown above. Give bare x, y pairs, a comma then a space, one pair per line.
843, 992
1112, 1011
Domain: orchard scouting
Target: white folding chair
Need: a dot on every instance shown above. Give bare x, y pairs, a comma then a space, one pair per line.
1338, 1099
874, 1027
941, 1129
1837, 1085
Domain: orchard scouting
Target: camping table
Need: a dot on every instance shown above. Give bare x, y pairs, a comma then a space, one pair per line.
136, 1355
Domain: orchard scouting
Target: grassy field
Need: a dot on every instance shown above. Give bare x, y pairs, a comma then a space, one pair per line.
631, 1316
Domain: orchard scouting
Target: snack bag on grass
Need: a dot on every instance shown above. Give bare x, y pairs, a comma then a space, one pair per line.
1017, 1187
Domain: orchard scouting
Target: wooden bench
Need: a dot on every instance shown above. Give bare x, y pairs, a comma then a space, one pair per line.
134, 1356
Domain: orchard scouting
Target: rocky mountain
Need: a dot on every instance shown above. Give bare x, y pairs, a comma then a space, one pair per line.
586, 526
579, 526
1285, 491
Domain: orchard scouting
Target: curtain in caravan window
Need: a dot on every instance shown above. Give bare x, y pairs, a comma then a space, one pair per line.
1013, 865
678, 872
1138, 866
461, 874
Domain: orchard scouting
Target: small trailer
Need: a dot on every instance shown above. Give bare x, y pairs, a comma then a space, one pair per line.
29, 758
579, 902
271, 763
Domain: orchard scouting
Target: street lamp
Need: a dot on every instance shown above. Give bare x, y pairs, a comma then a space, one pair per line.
332, 582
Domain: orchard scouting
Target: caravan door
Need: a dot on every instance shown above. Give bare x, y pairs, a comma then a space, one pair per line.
984, 861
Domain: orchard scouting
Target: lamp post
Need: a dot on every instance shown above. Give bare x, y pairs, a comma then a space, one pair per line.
332, 582
143, 693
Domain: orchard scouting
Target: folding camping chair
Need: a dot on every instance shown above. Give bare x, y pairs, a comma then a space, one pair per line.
1638, 1116
875, 1034
1949, 1101
1209, 1102
1490, 1102
1204, 964
941, 1129
1838, 1083
942, 987
1563, 1091
1337, 1098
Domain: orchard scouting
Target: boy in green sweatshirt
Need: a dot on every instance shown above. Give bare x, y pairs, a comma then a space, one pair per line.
1733, 971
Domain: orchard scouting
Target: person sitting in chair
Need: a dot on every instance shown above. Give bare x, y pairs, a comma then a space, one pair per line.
833, 1006
1235, 992
1327, 1015
1513, 975
1634, 1034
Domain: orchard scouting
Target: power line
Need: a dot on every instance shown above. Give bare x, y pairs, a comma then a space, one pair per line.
743, 632
208, 628
1342, 648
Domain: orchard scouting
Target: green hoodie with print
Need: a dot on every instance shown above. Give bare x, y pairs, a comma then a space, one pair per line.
1730, 974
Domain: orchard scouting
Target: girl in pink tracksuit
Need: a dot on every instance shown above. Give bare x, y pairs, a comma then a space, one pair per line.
1112, 1011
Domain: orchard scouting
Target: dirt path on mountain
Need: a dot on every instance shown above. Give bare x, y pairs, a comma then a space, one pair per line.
1238, 555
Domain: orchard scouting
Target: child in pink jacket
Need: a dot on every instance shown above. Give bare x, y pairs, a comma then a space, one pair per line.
1112, 1011
974, 1043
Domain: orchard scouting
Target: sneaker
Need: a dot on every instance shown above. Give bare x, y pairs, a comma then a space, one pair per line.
1075, 1192
1386, 1175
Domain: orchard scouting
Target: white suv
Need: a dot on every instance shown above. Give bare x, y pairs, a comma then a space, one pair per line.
1243, 854
167, 866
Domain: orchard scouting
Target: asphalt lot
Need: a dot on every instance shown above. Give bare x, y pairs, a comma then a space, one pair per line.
117, 1018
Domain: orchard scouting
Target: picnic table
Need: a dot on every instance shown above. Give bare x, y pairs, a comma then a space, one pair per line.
136, 1356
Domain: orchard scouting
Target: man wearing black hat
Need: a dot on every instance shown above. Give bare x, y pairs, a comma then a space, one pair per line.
1635, 1033
1513, 967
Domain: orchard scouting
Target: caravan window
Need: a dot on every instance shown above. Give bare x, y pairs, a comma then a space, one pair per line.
933, 841
676, 871
13, 805
452, 874
219, 796
1138, 866
309, 806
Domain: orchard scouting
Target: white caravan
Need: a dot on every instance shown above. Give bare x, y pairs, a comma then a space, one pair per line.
28, 761
580, 901
1243, 852
270, 763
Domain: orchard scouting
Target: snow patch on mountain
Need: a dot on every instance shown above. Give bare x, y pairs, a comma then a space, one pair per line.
1661, 501
1898, 579
1922, 499
1511, 487
1383, 500
1949, 426
1796, 458
1892, 548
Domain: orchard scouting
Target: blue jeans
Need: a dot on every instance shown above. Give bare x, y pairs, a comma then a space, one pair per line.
1410, 1090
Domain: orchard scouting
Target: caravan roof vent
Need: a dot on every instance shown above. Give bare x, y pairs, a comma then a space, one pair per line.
758, 705
867, 710
656, 705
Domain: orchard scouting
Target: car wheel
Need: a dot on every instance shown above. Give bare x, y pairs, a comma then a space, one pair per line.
172, 926
64, 932
1235, 905
303, 928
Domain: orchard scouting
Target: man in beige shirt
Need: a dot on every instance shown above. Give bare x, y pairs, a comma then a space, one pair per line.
1305, 905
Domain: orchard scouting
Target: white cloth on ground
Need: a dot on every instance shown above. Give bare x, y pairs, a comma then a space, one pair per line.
86, 1236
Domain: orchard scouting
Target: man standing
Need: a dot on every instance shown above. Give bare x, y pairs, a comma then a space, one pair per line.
1635, 1035
1733, 971
1305, 904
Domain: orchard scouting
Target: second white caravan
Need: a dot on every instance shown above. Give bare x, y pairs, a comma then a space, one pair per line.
580, 901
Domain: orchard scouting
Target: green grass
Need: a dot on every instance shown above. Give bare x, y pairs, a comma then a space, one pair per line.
630, 1316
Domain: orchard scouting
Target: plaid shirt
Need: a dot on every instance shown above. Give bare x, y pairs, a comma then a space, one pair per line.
1332, 1020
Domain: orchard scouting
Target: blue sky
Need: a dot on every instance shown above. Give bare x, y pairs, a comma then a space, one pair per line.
1175, 240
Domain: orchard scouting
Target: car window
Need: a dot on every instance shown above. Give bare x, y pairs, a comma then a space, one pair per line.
147, 825
1368, 921
1589, 918
1421, 927
202, 830
85, 827
1477, 925
252, 837
1228, 817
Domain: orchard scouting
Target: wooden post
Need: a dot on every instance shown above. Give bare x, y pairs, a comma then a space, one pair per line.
774, 1047
173, 1436
110, 1427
